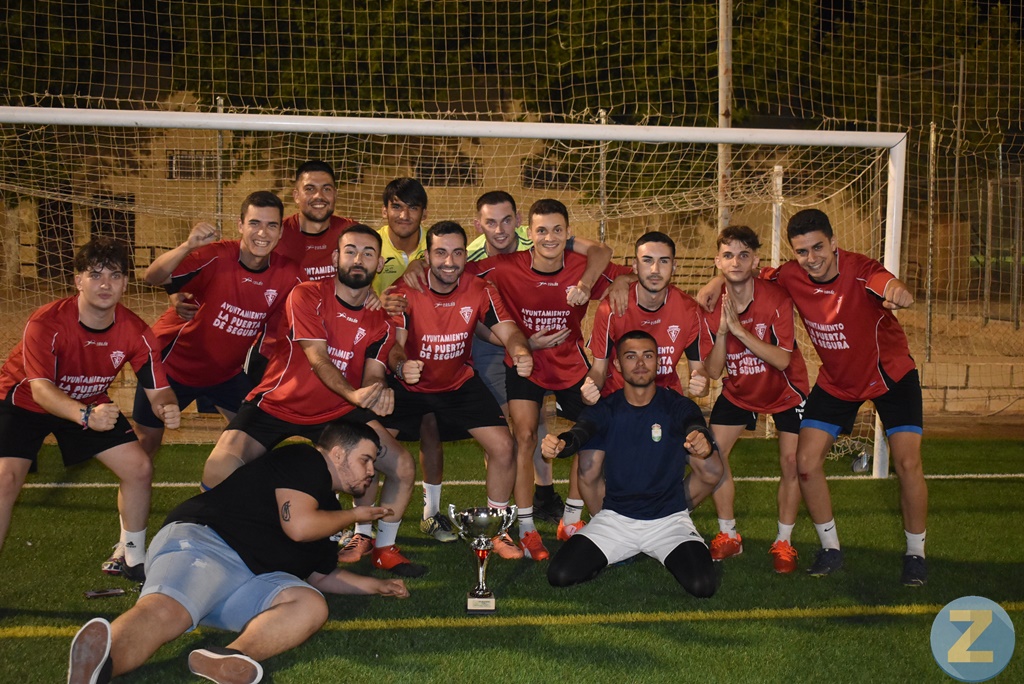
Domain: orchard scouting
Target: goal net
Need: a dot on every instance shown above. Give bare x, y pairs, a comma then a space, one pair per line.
145, 177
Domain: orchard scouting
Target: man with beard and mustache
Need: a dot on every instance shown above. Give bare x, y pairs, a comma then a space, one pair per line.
251, 556
331, 364
437, 330
633, 447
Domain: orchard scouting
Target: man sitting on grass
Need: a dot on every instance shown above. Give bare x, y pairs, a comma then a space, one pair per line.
250, 555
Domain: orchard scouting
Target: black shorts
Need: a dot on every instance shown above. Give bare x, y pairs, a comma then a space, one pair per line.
568, 402
725, 412
901, 409
470, 406
270, 431
22, 433
228, 395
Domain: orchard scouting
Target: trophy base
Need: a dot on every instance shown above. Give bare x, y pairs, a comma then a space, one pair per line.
476, 605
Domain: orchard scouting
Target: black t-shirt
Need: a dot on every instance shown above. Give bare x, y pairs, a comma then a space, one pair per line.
243, 511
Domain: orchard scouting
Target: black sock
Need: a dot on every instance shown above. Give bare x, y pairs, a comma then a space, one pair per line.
545, 492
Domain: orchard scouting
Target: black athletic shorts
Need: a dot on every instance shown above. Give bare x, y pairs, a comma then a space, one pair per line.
470, 406
22, 433
568, 402
901, 408
270, 431
228, 395
725, 412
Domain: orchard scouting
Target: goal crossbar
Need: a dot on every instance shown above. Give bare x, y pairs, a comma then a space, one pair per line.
894, 143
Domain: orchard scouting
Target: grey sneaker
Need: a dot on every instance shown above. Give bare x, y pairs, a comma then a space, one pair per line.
89, 661
224, 666
826, 562
439, 527
915, 571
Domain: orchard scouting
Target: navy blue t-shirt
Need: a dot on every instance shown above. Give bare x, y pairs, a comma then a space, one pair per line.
243, 511
644, 459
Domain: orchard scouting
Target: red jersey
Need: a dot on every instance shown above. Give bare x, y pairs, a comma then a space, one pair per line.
674, 325
536, 302
441, 328
751, 383
313, 252
235, 305
860, 342
290, 390
80, 361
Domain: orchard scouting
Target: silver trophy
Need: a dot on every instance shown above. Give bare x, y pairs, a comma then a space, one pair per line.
478, 526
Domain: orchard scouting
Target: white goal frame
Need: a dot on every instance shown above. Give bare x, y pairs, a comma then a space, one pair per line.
894, 143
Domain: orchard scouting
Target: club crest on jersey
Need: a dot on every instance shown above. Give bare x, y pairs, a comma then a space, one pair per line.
360, 334
271, 295
467, 313
760, 329
117, 358
656, 432
673, 332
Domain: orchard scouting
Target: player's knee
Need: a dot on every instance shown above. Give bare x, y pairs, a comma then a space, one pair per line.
139, 469
404, 468
10, 485
702, 586
560, 573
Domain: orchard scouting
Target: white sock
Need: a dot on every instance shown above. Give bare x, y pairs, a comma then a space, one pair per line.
365, 529
500, 505
727, 526
827, 534
915, 544
525, 519
573, 511
431, 499
135, 547
785, 532
387, 533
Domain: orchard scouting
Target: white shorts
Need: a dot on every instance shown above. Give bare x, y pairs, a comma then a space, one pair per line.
620, 537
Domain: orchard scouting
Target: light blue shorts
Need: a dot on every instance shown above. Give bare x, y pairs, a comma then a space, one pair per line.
194, 566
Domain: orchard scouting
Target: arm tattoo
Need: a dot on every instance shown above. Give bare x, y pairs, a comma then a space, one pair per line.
286, 511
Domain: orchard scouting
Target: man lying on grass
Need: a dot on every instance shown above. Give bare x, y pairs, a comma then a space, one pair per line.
250, 555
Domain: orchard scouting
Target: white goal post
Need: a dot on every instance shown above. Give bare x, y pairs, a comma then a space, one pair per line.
894, 144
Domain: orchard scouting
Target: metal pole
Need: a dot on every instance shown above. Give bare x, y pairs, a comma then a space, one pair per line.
724, 107
932, 145
777, 216
986, 279
602, 226
220, 169
1018, 249
955, 253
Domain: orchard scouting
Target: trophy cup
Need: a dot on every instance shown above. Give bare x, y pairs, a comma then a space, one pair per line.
478, 526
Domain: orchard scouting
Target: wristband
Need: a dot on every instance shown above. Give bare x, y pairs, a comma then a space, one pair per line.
398, 371
86, 412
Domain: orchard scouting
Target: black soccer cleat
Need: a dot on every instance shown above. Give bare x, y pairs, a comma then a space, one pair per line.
915, 571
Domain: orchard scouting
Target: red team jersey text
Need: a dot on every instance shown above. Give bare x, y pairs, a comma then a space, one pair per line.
536, 302
235, 305
860, 342
441, 327
290, 390
81, 362
751, 383
674, 326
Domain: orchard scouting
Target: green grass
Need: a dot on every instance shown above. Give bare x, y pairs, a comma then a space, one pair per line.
633, 623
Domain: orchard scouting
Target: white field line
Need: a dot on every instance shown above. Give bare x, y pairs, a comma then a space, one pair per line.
480, 483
